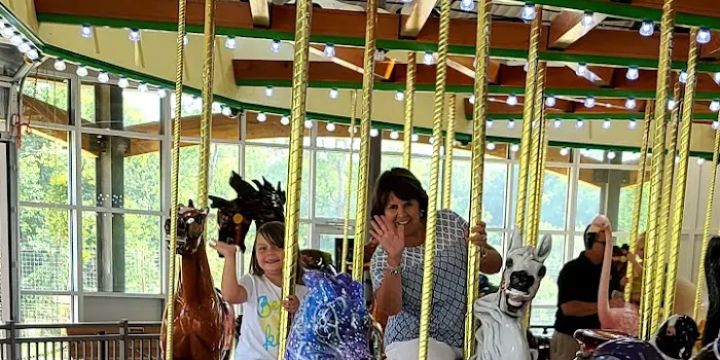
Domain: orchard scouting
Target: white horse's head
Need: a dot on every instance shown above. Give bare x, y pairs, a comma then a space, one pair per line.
523, 272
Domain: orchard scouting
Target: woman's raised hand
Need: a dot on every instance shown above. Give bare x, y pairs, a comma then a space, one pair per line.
390, 236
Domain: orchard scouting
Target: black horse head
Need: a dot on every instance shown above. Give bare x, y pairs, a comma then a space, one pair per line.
676, 337
712, 276
260, 203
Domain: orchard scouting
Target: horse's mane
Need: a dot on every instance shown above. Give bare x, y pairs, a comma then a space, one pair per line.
261, 203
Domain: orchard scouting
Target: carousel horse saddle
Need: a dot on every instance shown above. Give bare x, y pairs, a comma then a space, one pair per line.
333, 322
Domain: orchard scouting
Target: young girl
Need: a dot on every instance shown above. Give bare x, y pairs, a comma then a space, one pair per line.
260, 292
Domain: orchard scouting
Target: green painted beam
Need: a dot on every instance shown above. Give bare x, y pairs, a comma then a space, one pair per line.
698, 117
400, 44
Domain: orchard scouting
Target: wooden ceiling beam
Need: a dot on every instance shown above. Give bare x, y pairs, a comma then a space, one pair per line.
414, 23
260, 12
352, 58
567, 28
466, 66
711, 50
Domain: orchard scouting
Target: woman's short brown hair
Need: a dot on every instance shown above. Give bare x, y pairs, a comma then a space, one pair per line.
401, 183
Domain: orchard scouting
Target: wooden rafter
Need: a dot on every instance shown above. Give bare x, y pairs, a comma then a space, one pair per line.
414, 23
567, 28
260, 12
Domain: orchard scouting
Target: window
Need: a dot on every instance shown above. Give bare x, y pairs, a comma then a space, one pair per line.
44, 162
588, 202
493, 191
543, 312
553, 206
44, 252
46, 100
330, 188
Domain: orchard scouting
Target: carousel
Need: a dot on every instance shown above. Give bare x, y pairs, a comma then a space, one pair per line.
650, 64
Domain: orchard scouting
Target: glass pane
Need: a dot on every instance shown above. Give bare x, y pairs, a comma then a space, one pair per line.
111, 107
335, 136
593, 156
46, 100
547, 294
87, 103
44, 249
272, 130
495, 239
626, 206
140, 108
556, 154
120, 172
420, 147
330, 188
493, 191
589, 195
327, 243
191, 105
89, 251
543, 316
578, 244
43, 309
142, 254
553, 210
44, 161
272, 163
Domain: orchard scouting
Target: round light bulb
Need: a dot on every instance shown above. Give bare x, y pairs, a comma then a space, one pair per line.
374, 132
333, 93
308, 124
24, 47
16, 39
230, 42
261, 117
582, 69
683, 77
81, 71
467, 5
471, 99
579, 123
268, 91
226, 111
606, 124
514, 147
587, 19
589, 102
564, 151
671, 104
704, 36
103, 77
511, 100
414, 137
134, 35
489, 123
329, 50
632, 124
557, 123
511, 124
528, 12
285, 120
716, 77
275, 46
143, 88
715, 125
33, 54
330, 127
123, 82
490, 146
630, 103
633, 73
399, 95
647, 28
610, 155
715, 105
700, 161
161, 93
428, 58
394, 135
380, 54
550, 101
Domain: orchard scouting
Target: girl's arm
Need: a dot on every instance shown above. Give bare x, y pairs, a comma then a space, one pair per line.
232, 292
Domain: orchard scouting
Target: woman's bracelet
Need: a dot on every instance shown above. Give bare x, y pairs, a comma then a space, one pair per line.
394, 270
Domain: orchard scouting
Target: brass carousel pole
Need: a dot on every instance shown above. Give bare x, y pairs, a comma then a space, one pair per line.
525, 139
680, 187
482, 57
303, 13
207, 100
635, 227
430, 234
706, 227
174, 180
365, 122
449, 145
409, 109
660, 122
535, 164
348, 184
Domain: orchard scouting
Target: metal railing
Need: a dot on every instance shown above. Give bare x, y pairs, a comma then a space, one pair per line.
85, 341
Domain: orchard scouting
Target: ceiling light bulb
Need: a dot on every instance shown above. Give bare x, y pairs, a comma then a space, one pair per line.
268, 91
7, 33
81, 71
33, 54
374, 132
511, 124
428, 58
584, 152
261, 117
489, 123
399, 95
671, 104
632, 73
471, 99
329, 50
715, 125
143, 88
16, 39
333, 93
579, 123
700, 161
632, 124
589, 102
526, 67
490, 146
677, 159
587, 19
514, 147
630, 103
123, 82
564, 151
230, 42
716, 77
351, 129
185, 40
227, 111
582, 69
275, 46
610, 155
511, 100
704, 36
380, 54
414, 137
606, 124
285, 120
467, 5
161, 93
431, 139
715, 105
103, 77
308, 124
134, 35
683, 77
528, 12
24, 47
394, 135
550, 101
330, 127
557, 123
647, 28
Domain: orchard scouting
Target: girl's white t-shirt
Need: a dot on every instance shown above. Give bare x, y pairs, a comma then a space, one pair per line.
259, 332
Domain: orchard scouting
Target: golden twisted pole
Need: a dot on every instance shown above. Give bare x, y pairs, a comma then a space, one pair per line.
477, 164
365, 122
348, 184
207, 100
525, 139
662, 235
635, 227
706, 227
534, 163
680, 187
663, 77
409, 109
174, 180
430, 234
449, 146
303, 14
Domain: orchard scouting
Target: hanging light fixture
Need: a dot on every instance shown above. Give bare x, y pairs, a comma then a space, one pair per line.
471, 99
589, 102
86, 31
633, 73
587, 19
715, 125
123, 83
671, 104
395, 135
103, 77
564, 151
261, 117
275, 46
81, 71
33, 54
374, 132
683, 77
226, 111
632, 124
489, 123
329, 50
611, 155
514, 147
143, 88
490, 146
428, 58
528, 12
700, 161
704, 36
511, 124
399, 95
24, 47
59, 65
414, 137
185, 40
630, 103
333, 93
511, 100
606, 124
308, 124
715, 105
550, 101
285, 120
582, 70
330, 127
230, 42
467, 5
579, 123
647, 28
716, 77
268, 91
557, 123
134, 35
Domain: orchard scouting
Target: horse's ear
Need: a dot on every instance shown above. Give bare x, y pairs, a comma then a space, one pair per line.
543, 250
190, 203
515, 240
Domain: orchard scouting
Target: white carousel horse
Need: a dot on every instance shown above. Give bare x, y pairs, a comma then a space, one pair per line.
501, 334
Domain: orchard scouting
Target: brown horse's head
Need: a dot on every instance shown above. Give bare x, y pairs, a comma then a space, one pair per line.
190, 229
260, 203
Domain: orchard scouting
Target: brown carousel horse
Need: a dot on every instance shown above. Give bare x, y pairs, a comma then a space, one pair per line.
203, 322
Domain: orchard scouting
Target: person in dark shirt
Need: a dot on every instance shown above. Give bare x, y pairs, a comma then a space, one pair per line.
578, 284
